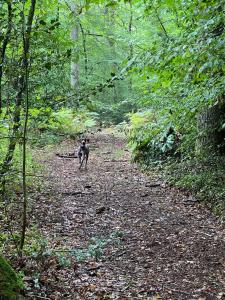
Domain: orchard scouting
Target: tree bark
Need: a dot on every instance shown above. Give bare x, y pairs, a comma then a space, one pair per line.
22, 85
110, 19
26, 45
131, 48
3, 48
210, 136
24, 215
85, 50
74, 64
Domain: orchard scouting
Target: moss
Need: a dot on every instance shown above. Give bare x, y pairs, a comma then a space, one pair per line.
10, 283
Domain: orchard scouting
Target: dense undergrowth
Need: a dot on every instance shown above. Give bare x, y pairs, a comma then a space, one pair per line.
205, 179
202, 179
161, 143
158, 143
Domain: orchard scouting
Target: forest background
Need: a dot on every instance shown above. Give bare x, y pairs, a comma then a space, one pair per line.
152, 69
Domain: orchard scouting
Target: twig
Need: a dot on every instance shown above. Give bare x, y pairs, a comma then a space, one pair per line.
153, 184
66, 156
75, 193
119, 160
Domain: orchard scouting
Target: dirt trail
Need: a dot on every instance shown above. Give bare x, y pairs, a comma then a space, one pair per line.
152, 242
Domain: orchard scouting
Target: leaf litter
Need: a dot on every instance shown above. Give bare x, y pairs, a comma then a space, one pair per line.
112, 232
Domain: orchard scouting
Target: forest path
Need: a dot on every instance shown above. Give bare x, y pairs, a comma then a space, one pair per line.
154, 241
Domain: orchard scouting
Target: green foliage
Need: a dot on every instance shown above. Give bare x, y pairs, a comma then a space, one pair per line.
204, 178
53, 126
10, 282
35, 244
71, 123
152, 135
115, 113
96, 247
180, 74
14, 176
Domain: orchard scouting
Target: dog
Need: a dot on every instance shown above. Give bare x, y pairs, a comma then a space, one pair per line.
83, 153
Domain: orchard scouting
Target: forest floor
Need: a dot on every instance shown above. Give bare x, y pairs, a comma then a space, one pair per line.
139, 239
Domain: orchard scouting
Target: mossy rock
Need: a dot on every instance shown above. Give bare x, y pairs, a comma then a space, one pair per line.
10, 282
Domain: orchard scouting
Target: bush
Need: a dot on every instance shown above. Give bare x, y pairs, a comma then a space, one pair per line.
52, 126
152, 135
205, 179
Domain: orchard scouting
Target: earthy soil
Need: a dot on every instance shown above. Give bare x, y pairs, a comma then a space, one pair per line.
138, 238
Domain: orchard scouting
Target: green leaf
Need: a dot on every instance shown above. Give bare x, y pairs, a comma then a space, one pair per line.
48, 65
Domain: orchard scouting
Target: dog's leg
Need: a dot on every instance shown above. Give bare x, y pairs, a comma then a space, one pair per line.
86, 160
83, 157
80, 162
79, 154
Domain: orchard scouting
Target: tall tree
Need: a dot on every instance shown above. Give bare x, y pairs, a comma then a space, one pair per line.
3, 47
75, 56
21, 88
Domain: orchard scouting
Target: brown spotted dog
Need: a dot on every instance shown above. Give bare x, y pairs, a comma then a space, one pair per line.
83, 153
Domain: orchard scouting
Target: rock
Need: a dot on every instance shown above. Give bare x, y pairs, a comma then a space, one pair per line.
100, 210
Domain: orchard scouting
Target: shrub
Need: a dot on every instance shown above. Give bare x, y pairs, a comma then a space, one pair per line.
152, 135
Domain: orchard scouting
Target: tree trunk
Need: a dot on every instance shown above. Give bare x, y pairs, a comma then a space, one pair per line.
210, 134
3, 49
110, 19
24, 217
131, 48
19, 97
74, 63
84, 49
